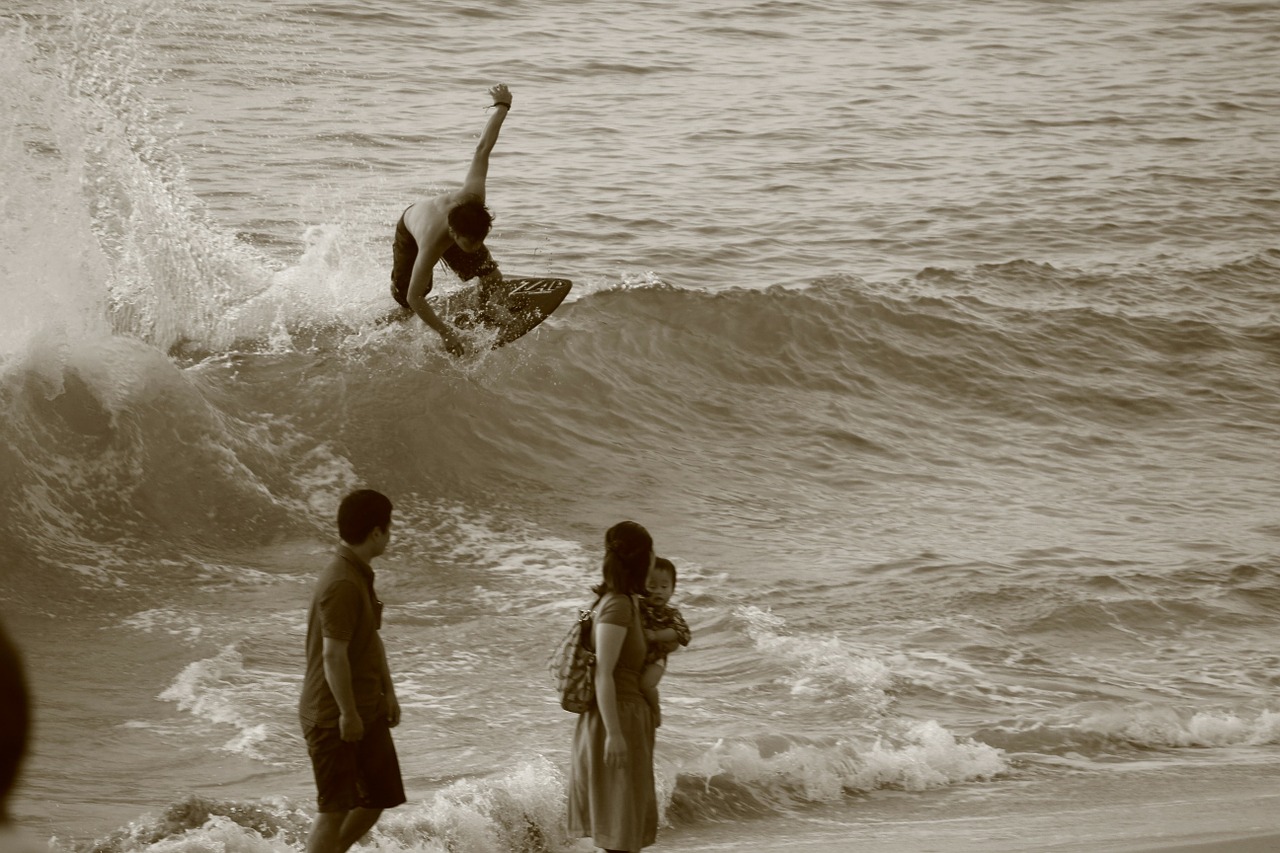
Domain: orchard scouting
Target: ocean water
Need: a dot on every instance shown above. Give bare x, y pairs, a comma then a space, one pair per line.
937, 344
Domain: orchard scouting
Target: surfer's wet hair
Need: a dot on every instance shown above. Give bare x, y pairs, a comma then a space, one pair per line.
361, 513
627, 548
471, 220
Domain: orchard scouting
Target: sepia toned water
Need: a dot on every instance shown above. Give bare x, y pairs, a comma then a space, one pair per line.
937, 345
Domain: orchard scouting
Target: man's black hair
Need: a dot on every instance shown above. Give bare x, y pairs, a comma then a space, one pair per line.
362, 512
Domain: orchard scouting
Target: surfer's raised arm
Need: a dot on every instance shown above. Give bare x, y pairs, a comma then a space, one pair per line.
479, 171
451, 227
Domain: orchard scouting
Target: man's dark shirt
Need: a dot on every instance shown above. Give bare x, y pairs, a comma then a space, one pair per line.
344, 607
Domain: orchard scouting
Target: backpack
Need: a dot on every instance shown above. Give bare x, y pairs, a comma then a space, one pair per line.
573, 665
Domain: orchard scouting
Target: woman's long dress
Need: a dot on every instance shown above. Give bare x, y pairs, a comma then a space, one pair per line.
616, 807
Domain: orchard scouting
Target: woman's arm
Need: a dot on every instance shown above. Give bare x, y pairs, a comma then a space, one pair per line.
479, 171
608, 642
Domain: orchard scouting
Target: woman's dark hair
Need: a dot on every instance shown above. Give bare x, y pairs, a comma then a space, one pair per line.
15, 718
662, 564
627, 548
362, 512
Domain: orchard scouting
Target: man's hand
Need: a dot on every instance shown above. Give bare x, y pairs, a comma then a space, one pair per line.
350, 727
500, 94
452, 343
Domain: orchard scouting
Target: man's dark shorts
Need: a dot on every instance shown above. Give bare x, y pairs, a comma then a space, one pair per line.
465, 265
404, 251
364, 774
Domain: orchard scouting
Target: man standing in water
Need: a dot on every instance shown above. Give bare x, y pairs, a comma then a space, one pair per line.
349, 705
450, 227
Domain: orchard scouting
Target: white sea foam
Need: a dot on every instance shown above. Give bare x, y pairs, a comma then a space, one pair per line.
821, 666
223, 691
541, 567
173, 622
521, 810
219, 834
914, 757
1150, 726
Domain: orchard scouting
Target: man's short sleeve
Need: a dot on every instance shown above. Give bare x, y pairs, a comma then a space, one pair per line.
340, 605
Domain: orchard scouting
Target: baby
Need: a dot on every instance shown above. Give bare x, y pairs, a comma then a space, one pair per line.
664, 629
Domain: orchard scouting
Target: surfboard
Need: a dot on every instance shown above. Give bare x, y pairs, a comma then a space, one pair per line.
525, 302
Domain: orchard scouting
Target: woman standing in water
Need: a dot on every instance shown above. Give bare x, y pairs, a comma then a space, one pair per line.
611, 792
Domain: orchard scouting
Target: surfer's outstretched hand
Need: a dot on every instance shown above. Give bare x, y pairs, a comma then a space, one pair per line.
500, 94
452, 343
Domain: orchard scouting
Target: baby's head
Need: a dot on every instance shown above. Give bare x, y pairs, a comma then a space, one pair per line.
661, 582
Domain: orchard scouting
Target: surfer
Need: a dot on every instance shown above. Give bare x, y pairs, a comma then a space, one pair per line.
450, 227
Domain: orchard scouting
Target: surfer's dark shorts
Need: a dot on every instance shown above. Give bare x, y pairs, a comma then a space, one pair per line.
364, 774
404, 251
465, 265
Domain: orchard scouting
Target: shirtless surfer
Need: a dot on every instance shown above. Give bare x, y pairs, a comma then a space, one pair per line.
450, 227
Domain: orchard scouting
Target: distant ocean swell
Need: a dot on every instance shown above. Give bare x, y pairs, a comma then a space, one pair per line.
144, 349
97, 424
878, 693
1111, 731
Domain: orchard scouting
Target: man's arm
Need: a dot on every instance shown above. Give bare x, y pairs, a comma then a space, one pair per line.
337, 672
420, 283
479, 171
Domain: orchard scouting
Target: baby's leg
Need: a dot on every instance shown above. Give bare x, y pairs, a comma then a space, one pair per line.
652, 674
655, 707
649, 679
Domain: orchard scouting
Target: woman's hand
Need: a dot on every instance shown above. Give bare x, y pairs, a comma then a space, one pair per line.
615, 751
